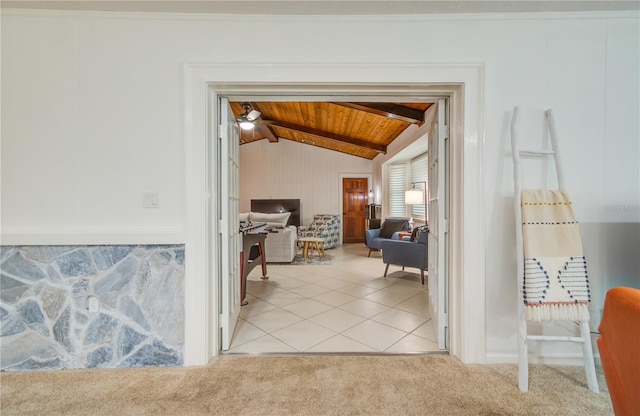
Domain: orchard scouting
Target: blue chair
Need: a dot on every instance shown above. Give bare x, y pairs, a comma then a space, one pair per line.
407, 253
374, 237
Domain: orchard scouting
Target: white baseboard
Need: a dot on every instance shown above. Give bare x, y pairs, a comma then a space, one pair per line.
547, 359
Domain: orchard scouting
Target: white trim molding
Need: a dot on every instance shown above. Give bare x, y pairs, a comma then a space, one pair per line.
463, 83
91, 236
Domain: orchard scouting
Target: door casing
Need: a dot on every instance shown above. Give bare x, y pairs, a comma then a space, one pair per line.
462, 83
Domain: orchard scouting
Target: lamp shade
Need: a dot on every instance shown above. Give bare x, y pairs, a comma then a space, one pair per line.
413, 197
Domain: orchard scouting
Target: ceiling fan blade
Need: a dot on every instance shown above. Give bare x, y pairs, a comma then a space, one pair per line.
253, 114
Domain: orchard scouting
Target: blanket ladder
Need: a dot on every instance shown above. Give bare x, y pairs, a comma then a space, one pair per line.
523, 336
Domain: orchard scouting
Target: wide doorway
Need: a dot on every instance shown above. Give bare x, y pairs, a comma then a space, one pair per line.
343, 304
204, 83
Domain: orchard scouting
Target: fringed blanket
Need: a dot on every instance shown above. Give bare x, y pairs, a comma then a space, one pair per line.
556, 285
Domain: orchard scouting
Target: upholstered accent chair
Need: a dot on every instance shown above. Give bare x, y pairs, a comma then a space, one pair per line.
619, 348
374, 237
407, 253
325, 226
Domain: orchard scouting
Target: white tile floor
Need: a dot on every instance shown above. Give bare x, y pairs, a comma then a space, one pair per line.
345, 307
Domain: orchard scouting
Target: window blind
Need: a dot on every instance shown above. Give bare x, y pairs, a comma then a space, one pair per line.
419, 170
397, 185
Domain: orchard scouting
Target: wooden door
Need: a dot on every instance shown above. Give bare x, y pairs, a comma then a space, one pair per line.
355, 197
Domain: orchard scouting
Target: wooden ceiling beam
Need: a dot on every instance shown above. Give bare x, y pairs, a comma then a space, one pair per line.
267, 131
389, 110
264, 129
380, 148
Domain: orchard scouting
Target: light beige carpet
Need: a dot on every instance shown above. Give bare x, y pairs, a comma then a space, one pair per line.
306, 385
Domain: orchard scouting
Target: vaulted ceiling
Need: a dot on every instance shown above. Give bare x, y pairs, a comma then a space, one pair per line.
362, 129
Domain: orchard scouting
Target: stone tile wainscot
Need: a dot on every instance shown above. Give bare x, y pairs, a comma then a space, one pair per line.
46, 321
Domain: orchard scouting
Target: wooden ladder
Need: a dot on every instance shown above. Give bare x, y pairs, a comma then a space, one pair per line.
523, 336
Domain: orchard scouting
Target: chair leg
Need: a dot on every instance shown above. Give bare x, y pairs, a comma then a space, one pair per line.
369, 255
386, 269
422, 275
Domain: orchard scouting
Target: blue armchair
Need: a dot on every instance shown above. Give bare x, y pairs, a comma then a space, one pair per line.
407, 253
373, 238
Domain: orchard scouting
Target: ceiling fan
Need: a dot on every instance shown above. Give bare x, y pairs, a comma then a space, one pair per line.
246, 121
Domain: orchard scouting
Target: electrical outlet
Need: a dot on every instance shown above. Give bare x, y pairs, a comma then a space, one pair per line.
93, 304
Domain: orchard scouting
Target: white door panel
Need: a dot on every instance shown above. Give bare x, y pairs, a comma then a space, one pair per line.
437, 251
230, 242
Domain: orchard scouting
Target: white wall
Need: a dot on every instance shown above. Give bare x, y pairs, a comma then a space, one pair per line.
293, 170
573, 66
92, 114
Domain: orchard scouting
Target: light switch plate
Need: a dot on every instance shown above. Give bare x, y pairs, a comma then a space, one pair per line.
150, 200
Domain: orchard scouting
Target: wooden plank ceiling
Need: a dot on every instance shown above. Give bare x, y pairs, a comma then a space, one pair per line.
358, 129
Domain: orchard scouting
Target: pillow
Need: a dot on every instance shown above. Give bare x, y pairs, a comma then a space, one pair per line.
413, 234
418, 233
389, 228
244, 217
272, 220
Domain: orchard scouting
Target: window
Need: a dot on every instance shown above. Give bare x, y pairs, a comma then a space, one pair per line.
419, 169
397, 186
401, 176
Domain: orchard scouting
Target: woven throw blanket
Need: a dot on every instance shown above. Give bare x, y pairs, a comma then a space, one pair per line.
556, 286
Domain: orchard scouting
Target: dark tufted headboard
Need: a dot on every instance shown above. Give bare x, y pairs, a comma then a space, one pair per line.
270, 206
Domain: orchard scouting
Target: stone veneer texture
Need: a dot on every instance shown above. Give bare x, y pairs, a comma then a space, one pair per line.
45, 318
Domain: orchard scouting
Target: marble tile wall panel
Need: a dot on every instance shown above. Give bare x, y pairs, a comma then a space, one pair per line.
45, 317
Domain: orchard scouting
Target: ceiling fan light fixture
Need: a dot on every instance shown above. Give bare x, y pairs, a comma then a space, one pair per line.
245, 124
245, 121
